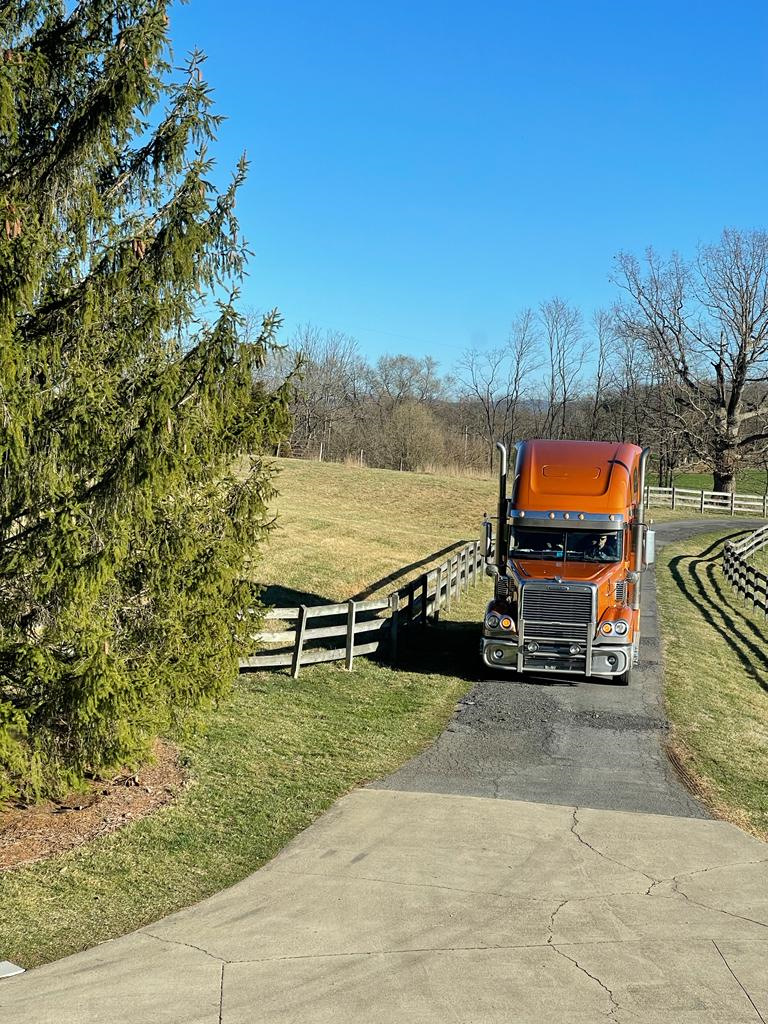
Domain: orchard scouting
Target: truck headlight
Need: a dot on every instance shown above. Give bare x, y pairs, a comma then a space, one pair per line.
621, 627
492, 621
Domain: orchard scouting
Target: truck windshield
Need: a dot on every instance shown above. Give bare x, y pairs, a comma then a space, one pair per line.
565, 545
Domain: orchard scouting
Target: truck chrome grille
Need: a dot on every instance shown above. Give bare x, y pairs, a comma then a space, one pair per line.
556, 631
552, 603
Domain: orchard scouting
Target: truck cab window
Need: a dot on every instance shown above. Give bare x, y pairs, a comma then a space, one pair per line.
534, 543
566, 545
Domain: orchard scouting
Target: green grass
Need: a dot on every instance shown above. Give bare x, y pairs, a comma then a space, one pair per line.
748, 481
716, 656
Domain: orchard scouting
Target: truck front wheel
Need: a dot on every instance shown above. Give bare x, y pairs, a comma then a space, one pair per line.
624, 678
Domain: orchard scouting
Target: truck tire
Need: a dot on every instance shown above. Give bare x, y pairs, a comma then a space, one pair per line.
624, 678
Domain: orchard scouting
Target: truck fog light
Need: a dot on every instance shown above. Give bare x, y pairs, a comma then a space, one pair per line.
498, 654
533, 647
612, 660
574, 649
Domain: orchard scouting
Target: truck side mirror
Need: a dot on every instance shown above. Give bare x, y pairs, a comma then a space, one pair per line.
487, 540
650, 547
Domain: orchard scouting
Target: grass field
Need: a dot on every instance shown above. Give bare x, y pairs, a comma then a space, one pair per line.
716, 653
341, 530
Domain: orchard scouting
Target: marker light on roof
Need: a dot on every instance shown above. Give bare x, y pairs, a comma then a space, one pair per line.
581, 515
551, 515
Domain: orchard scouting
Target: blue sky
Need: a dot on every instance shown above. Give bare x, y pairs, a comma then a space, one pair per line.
421, 171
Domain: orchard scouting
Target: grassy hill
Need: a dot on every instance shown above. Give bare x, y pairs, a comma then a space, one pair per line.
340, 530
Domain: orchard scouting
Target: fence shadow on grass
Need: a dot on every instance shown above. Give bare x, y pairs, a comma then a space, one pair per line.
696, 577
404, 571
273, 595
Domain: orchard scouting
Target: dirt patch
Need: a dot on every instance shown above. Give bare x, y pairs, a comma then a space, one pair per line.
36, 833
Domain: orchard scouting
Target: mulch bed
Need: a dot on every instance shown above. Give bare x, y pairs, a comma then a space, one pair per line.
36, 833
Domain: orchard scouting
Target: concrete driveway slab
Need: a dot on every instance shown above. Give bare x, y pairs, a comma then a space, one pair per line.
516, 986
133, 979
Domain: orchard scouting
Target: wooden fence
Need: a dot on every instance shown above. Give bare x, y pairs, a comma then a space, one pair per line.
376, 623
684, 498
747, 580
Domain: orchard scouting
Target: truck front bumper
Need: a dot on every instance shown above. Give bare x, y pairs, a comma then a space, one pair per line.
556, 657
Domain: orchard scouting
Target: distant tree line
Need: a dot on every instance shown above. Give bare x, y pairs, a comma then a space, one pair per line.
679, 363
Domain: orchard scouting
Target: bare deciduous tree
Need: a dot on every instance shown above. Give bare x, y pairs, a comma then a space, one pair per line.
495, 380
564, 338
706, 327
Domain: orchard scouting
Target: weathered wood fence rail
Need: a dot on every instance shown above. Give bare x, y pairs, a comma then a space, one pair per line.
353, 628
685, 498
743, 576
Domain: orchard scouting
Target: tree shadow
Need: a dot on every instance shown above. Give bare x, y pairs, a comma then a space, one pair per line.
743, 636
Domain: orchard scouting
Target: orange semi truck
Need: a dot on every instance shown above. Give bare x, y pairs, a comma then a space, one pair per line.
567, 561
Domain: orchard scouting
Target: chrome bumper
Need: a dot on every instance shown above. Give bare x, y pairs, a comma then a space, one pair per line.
555, 657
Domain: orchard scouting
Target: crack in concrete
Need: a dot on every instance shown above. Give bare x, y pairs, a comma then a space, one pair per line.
221, 994
706, 906
738, 982
615, 1007
189, 945
552, 916
716, 867
518, 897
600, 853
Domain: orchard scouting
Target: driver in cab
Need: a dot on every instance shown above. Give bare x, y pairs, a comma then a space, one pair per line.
603, 547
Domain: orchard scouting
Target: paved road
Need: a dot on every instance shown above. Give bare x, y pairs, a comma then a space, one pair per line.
438, 906
578, 742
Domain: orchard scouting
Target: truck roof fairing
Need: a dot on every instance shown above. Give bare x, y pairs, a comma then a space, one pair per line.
589, 476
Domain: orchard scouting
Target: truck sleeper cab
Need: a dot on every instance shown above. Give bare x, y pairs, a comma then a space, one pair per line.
570, 547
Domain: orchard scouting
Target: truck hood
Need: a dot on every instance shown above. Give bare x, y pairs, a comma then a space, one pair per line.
575, 572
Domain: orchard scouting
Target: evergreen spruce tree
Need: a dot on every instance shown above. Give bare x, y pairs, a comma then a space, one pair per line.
131, 488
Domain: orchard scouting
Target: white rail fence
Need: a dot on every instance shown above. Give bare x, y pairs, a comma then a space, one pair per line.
723, 502
745, 578
377, 623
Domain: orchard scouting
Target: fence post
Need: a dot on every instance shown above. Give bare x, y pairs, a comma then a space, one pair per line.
701, 508
438, 590
449, 584
394, 604
733, 502
765, 505
300, 629
647, 495
424, 598
411, 597
674, 497
320, 457
351, 608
